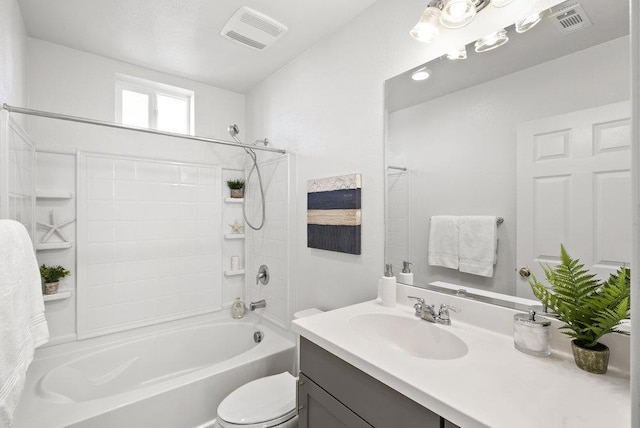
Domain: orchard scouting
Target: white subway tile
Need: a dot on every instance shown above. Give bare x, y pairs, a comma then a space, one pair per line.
99, 231
125, 169
99, 253
100, 189
100, 274
98, 167
100, 211
146, 171
188, 174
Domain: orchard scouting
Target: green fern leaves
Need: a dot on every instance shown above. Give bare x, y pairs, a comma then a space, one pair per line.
590, 308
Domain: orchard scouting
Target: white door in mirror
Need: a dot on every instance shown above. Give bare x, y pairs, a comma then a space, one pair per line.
574, 188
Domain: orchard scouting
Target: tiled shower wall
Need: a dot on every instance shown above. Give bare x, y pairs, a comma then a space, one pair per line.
20, 166
148, 242
271, 245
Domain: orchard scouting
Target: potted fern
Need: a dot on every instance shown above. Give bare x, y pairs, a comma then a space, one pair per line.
589, 308
236, 188
51, 276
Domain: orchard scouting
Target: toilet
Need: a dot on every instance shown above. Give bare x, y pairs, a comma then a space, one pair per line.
263, 403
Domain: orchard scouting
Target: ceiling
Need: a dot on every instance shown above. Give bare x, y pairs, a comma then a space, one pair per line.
182, 37
542, 43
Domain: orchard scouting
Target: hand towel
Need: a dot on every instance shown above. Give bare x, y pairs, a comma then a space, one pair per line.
22, 323
478, 244
443, 241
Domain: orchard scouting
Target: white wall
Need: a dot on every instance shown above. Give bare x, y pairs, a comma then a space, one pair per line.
13, 54
327, 106
469, 167
72, 82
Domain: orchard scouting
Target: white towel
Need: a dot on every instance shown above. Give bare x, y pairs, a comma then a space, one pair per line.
478, 244
22, 323
443, 241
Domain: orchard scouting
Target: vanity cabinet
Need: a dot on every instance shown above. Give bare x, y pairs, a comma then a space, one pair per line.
333, 393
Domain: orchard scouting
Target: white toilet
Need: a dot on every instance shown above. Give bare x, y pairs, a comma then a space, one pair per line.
263, 403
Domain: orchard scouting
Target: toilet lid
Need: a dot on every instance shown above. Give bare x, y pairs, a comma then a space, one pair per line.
267, 399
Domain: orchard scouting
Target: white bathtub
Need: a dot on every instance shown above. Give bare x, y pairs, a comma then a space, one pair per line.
171, 378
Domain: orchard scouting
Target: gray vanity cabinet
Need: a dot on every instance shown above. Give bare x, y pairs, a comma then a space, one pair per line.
333, 393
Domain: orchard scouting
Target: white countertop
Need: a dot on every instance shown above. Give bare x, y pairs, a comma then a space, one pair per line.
493, 385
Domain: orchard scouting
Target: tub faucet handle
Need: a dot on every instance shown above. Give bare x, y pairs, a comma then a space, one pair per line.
263, 275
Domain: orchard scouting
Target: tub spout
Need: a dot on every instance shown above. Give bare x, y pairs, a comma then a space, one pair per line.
259, 304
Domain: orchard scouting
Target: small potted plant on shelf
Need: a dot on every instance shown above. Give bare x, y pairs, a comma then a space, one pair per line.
236, 187
589, 307
51, 276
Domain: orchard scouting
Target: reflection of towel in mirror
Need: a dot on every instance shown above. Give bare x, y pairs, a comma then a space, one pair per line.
478, 244
443, 241
22, 323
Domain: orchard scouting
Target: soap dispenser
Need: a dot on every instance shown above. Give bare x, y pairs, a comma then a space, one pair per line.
388, 287
406, 276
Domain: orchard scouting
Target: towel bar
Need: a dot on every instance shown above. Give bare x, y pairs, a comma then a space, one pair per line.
499, 220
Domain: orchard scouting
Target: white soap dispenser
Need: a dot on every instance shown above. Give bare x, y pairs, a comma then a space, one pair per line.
406, 276
388, 287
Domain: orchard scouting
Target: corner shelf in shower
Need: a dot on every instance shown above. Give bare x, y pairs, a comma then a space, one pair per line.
49, 194
233, 200
53, 246
234, 272
60, 295
234, 236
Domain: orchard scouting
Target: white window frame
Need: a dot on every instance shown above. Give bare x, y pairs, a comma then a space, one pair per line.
153, 89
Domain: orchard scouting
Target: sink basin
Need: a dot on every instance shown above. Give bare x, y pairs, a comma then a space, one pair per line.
410, 336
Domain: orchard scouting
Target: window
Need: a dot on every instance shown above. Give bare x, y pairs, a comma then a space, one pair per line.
154, 105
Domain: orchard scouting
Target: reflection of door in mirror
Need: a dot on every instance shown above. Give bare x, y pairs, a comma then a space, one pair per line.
574, 187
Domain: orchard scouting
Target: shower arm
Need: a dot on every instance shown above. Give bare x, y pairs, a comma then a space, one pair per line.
41, 113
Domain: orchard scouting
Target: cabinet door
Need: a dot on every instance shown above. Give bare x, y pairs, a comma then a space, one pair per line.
448, 424
318, 409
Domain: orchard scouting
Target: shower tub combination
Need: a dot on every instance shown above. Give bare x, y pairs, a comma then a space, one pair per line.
170, 378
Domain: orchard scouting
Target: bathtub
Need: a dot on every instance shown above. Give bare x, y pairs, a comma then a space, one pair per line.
175, 377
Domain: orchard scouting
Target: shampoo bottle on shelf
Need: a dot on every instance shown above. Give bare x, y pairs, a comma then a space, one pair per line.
388, 287
406, 276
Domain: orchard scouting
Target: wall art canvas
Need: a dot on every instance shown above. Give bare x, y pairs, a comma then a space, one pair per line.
334, 216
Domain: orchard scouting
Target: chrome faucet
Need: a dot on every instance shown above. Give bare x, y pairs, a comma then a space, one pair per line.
428, 312
256, 305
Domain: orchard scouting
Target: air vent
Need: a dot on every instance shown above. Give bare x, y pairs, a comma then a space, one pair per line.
569, 17
252, 29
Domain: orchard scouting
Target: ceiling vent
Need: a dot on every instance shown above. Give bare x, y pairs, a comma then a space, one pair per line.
569, 17
252, 29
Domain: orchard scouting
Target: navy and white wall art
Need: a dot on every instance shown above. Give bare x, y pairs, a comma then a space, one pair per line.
334, 215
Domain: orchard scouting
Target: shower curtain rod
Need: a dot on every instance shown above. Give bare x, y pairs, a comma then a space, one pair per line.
40, 113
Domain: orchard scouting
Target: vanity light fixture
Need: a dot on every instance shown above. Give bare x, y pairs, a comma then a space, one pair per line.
500, 3
491, 41
457, 13
460, 53
445, 13
421, 74
428, 27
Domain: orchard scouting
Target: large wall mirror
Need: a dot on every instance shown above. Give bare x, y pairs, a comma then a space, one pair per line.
536, 132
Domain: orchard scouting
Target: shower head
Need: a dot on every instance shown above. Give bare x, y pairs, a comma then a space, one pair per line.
233, 130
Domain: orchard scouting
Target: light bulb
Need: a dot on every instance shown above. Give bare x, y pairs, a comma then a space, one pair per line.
491, 41
428, 28
460, 53
528, 22
421, 74
457, 13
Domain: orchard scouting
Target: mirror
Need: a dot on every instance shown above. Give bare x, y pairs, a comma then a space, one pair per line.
536, 132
